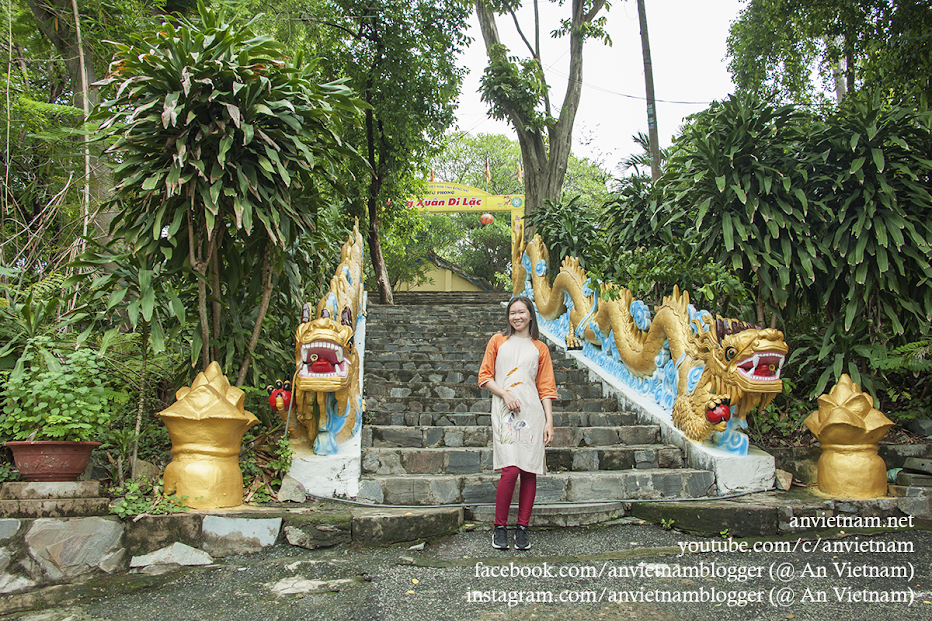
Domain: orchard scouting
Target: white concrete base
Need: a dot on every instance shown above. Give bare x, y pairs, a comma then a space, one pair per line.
753, 472
329, 475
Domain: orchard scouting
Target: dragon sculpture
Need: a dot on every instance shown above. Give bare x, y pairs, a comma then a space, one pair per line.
708, 373
327, 397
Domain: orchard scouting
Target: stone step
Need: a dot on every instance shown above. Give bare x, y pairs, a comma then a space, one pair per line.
476, 404
400, 436
427, 345
414, 361
400, 377
445, 297
419, 490
473, 460
483, 418
463, 390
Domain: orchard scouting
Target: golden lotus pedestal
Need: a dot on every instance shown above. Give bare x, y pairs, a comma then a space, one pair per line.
853, 471
206, 425
205, 463
849, 427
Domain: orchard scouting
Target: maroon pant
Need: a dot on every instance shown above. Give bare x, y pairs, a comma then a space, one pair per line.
506, 489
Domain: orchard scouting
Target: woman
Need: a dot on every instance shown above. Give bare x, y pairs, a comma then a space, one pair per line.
518, 372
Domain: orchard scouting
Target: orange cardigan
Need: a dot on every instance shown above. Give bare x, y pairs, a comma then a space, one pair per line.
546, 384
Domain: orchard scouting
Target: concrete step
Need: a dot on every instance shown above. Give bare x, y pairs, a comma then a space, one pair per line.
550, 515
415, 403
400, 436
420, 490
464, 390
483, 418
474, 460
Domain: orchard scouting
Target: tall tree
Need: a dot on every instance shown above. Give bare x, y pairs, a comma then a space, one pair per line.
774, 45
400, 57
517, 90
654, 140
226, 156
62, 23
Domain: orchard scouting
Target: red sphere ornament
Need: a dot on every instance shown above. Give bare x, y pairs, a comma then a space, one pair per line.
280, 396
722, 412
486, 218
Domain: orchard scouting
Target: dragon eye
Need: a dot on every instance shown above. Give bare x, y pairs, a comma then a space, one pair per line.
730, 353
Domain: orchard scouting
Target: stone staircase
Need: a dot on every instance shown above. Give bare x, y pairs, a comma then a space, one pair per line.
427, 436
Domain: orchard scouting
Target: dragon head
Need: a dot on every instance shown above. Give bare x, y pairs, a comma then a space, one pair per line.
324, 354
748, 360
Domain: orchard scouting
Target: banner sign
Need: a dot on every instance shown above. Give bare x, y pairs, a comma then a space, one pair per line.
455, 197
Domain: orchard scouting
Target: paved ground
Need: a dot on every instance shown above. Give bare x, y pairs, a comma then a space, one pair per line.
608, 572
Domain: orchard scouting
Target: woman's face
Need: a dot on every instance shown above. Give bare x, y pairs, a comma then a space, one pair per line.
519, 316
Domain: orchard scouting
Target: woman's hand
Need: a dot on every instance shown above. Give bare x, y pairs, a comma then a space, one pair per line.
511, 402
548, 433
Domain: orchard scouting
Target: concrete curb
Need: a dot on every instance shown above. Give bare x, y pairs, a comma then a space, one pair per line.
39, 553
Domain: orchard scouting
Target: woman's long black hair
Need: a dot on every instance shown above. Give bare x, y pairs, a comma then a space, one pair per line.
533, 331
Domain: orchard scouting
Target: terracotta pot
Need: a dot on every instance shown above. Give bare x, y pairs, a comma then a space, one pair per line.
51, 460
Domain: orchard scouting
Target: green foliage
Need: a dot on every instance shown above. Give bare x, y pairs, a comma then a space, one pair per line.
650, 274
666, 524
736, 177
226, 157
784, 418
264, 461
485, 250
9, 473
774, 45
406, 243
219, 121
463, 158
514, 86
144, 497
135, 287
568, 230
70, 403
35, 324
873, 165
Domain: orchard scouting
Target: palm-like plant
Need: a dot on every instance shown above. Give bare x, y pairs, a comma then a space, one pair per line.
221, 143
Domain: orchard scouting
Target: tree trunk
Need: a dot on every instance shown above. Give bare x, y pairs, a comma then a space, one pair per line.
56, 22
651, 101
200, 266
545, 164
375, 186
140, 404
215, 289
263, 310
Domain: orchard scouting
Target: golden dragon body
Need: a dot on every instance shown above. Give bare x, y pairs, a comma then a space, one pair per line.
708, 373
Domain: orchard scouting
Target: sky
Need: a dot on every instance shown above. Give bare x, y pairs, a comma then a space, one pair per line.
687, 41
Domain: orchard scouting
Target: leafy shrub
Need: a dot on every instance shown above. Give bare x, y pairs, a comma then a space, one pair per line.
569, 230
144, 497
70, 403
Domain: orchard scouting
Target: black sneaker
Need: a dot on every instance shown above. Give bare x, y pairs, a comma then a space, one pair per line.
500, 538
521, 539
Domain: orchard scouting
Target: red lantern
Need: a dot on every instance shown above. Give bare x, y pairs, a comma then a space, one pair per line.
486, 218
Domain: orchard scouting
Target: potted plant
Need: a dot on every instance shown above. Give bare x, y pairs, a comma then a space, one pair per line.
54, 406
